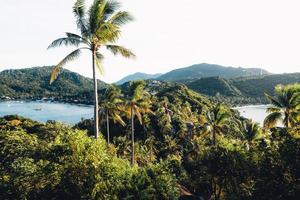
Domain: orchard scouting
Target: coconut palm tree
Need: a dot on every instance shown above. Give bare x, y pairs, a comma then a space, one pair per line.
137, 103
285, 107
100, 28
111, 107
216, 122
251, 132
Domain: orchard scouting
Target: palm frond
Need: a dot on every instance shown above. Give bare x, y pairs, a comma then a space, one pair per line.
117, 118
273, 101
72, 56
121, 18
119, 50
79, 12
98, 59
138, 114
222, 118
273, 109
67, 41
108, 33
100, 11
93, 14
272, 119
75, 36
138, 91
108, 8
295, 99
54, 73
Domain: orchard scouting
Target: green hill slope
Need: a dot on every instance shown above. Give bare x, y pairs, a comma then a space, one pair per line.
254, 87
137, 76
34, 83
209, 70
245, 87
214, 85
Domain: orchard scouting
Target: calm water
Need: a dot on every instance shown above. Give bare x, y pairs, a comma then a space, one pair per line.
71, 114
43, 111
255, 112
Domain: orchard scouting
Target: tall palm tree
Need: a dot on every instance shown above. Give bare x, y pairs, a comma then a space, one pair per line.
100, 27
216, 121
137, 103
285, 107
111, 107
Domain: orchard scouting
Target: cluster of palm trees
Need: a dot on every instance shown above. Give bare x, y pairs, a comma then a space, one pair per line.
100, 28
284, 109
135, 104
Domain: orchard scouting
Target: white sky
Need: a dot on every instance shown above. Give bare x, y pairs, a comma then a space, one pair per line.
165, 35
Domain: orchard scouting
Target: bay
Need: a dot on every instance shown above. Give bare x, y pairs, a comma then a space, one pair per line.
43, 111
71, 114
255, 112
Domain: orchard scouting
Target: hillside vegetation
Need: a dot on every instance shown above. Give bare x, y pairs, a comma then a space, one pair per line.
137, 76
187, 147
242, 90
33, 83
209, 70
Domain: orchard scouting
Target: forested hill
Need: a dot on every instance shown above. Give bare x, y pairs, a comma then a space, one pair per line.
209, 70
137, 76
244, 86
34, 83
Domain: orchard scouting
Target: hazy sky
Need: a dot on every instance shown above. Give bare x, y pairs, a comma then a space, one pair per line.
165, 35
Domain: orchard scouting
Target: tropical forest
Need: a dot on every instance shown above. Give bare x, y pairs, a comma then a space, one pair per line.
178, 135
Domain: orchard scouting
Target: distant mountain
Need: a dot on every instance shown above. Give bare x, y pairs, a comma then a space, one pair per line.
257, 86
210, 70
34, 83
214, 85
138, 76
252, 87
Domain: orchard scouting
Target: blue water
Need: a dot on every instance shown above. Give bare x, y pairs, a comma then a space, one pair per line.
71, 114
43, 111
255, 112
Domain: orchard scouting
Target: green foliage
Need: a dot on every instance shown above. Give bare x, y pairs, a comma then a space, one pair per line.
33, 83
242, 90
100, 27
52, 161
285, 106
137, 76
174, 158
209, 70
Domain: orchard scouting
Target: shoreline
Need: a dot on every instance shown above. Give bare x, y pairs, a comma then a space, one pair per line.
49, 100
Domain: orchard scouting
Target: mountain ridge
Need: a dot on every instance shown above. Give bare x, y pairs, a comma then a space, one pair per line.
196, 71
251, 87
32, 83
138, 76
210, 70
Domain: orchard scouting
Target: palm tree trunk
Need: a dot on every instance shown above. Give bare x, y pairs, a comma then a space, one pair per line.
132, 137
287, 119
107, 126
214, 138
151, 152
96, 114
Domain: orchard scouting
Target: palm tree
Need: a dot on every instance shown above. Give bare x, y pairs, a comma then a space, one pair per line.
100, 28
285, 107
251, 132
111, 107
138, 102
216, 121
